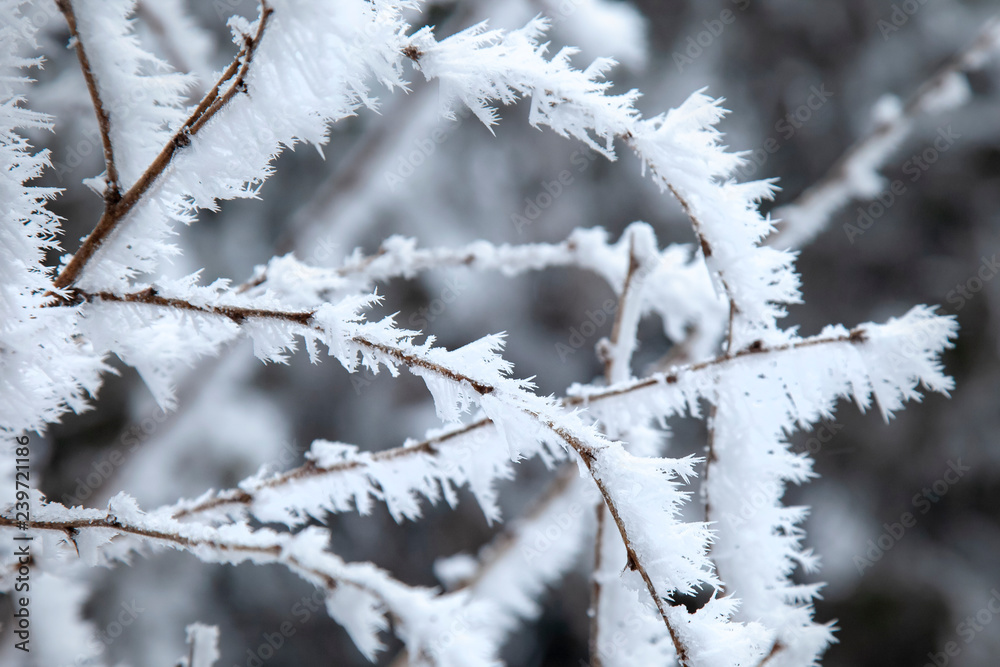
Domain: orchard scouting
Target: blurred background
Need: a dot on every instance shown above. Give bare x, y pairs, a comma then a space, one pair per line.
936, 244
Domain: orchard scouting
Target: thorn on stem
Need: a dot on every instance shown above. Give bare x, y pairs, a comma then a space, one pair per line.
631, 564
412, 52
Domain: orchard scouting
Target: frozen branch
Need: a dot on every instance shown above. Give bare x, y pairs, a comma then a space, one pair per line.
399, 257
112, 193
617, 355
356, 593
675, 380
337, 477
116, 211
710, 455
643, 257
855, 174
673, 284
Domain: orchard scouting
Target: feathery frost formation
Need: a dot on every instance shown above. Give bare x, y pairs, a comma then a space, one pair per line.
302, 66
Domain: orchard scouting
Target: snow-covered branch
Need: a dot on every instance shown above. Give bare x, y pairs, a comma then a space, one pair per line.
113, 188
120, 205
673, 284
360, 597
336, 477
855, 174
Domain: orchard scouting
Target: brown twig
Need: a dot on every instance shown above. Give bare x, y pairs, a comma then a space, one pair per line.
110, 522
273, 550
310, 469
239, 314
856, 336
209, 106
112, 192
633, 561
151, 297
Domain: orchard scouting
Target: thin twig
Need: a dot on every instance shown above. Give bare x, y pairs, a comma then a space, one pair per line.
633, 562
792, 232
112, 191
386, 263
272, 550
151, 297
110, 522
618, 356
209, 106
711, 457
310, 469
856, 336
617, 362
